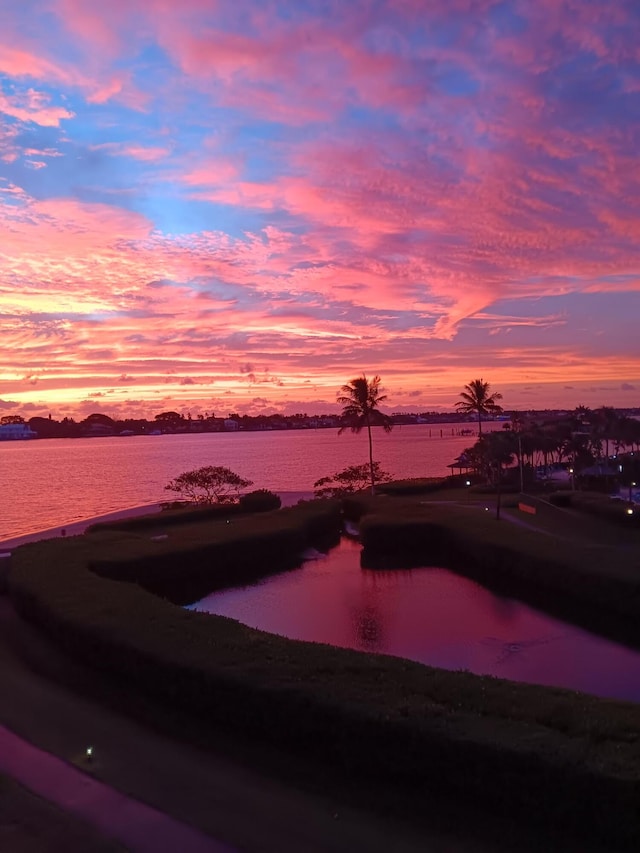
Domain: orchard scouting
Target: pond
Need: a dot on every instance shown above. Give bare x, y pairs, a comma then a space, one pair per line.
430, 615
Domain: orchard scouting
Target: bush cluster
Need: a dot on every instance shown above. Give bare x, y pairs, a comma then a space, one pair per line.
260, 500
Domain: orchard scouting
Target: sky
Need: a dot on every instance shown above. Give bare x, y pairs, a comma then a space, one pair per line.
216, 206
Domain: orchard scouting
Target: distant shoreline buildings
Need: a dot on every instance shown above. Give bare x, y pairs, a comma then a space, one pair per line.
96, 425
16, 432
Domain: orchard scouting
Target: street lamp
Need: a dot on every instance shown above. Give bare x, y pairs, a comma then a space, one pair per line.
573, 484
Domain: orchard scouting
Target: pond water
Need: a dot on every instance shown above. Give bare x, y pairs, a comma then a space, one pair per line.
430, 615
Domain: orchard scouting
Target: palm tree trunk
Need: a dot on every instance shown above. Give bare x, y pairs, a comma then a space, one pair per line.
373, 486
479, 425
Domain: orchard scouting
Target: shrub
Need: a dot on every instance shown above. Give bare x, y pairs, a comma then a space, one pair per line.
355, 478
415, 486
261, 500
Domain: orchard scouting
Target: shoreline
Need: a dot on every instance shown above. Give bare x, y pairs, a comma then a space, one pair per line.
77, 528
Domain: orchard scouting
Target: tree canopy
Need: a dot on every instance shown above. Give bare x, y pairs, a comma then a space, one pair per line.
355, 478
209, 485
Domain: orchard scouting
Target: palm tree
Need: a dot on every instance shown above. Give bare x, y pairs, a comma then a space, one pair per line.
498, 454
361, 399
605, 425
517, 427
476, 399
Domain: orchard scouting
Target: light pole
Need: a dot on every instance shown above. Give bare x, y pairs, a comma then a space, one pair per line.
517, 426
520, 461
573, 483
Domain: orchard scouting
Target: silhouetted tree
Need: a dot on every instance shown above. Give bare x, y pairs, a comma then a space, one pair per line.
209, 485
476, 399
355, 478
361, 399
169, 417
605, 426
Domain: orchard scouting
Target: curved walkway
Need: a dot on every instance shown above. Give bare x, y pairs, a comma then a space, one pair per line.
137, 826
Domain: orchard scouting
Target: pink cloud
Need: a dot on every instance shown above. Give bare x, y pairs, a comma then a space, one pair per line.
17, 62
9, 150
215, 171
145, 153
33, 106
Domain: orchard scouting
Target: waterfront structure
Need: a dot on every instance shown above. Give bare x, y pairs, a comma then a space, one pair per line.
16, 432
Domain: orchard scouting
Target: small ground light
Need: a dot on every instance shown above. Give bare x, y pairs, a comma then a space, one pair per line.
486, 509
629, 511
468, 483
89, 752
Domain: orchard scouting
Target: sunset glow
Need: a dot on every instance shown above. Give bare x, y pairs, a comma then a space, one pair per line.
239, 206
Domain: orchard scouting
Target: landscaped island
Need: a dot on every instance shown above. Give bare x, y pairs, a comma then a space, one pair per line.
551, 755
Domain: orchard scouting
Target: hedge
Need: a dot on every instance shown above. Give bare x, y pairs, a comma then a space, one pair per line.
555, 755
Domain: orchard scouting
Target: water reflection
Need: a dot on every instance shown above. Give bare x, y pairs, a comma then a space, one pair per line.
433, 616
505, 651
368, 628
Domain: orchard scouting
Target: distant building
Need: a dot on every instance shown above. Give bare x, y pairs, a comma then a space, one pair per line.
16, 432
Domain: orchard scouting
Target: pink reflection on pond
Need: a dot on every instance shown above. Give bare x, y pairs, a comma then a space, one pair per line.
429, 615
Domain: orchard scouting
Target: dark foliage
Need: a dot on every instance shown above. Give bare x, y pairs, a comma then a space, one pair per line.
261, 500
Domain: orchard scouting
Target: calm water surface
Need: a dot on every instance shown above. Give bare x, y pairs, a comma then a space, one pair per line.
433, 616
53, 482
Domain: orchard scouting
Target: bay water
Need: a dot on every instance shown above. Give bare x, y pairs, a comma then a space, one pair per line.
54, 482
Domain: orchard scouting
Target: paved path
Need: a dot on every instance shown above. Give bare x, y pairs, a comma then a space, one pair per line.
132, 823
